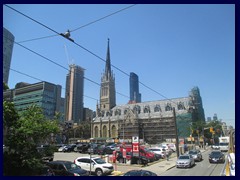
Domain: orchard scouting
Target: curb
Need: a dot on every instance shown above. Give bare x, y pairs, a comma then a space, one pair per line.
117, 173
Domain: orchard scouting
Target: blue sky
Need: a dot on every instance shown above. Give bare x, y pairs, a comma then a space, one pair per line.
172, 48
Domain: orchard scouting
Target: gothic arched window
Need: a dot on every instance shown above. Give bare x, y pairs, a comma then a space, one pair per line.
114, 131
146, 109
96, 131
104, 131
181, 106
168, 107
157, 108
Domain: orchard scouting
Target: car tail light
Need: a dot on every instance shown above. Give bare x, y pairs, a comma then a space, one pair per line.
76, 174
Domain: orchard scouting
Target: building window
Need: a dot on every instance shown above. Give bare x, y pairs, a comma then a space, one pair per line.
137, 109
117, 112
114, 131
146, 109
181, 106
168, 107
157, 108
104, 131
96, 131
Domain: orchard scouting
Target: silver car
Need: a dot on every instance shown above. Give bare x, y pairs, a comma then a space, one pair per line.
196, 154
185, 161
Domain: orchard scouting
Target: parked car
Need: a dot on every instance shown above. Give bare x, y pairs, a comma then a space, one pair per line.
139, 173
66, 168
139, 160
216, 157
185, 161
69, 148
93, 148
82, 148
159, 150
46, 171
60, 149
196, 154
98, 165
102, 150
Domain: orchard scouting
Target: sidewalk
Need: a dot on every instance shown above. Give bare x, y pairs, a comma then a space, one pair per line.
158, 167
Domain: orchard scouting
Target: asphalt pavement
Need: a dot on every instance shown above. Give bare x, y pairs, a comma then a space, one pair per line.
158, 167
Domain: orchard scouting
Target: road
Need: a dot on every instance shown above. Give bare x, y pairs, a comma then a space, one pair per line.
163, 168
203, 168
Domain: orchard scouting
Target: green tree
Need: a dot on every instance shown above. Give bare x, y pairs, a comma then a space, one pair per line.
5, 86
26, 132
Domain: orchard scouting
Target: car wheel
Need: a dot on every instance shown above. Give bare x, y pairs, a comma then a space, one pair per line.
99, 172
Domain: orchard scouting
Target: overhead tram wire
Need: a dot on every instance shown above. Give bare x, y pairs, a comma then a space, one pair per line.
45, 81
92, 22
90, 53
62, 66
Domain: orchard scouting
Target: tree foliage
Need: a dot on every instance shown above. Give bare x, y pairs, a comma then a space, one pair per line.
25, 132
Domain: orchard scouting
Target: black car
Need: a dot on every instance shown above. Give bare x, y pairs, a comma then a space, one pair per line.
66, 168
102, 150
46, 171
140, 173
83, 148
139, 160
216, 157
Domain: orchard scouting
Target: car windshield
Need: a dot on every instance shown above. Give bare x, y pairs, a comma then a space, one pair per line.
192, 152
215, 153
70, 166
155, 149
99, 161
184, 157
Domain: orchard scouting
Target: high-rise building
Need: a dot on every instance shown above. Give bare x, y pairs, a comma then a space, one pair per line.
107, 91
74, 94
215, 118
135, 96
43, 94
8, 41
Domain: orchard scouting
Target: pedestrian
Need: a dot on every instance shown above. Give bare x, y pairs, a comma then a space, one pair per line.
167, 155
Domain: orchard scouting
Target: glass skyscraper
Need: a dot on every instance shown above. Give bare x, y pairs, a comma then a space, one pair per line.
135, 96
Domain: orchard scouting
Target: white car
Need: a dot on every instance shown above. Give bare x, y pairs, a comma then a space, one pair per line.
185, 161
98, 165
159, 150
61, 148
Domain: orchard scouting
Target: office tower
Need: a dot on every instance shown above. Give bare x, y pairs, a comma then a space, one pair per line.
8, 41
74, 94
135, 96
43, 94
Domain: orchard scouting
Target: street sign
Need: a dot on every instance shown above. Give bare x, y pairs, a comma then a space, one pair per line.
135, 139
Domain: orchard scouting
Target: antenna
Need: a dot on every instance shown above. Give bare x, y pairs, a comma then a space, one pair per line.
66, 52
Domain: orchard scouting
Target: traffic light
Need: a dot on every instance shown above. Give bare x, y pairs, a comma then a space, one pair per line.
211, 129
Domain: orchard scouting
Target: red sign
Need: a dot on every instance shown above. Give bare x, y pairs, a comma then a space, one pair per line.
124, 153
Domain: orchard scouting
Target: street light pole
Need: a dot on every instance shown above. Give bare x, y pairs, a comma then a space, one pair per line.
176, 131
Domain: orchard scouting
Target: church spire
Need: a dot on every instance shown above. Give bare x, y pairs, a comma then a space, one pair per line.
108, 63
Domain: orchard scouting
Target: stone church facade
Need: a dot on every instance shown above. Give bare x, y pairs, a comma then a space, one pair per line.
152, 121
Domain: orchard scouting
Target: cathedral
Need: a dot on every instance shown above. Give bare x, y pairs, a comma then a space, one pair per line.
152, 121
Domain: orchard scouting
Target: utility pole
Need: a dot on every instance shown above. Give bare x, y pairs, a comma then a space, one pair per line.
176, 131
